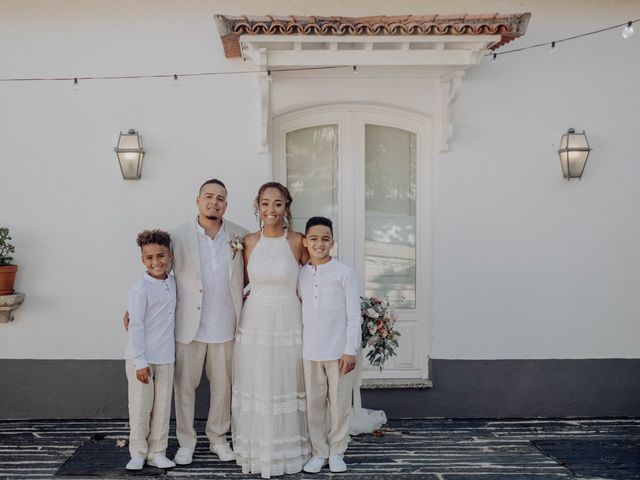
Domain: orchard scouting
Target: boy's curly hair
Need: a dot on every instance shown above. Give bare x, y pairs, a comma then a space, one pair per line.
158, 237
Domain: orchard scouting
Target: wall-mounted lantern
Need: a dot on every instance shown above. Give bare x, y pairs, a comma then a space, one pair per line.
574, 151
130, 154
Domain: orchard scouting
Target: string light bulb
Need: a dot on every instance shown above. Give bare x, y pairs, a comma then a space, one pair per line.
494, 58
628, 30
355, 70
553, 47
75, 85
176, 81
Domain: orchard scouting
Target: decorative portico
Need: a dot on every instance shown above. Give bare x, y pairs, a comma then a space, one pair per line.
445, 46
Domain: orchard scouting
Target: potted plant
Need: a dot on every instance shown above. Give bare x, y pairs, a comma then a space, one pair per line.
7, 269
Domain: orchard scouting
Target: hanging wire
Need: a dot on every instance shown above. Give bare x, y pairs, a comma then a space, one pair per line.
555, 42
174, 76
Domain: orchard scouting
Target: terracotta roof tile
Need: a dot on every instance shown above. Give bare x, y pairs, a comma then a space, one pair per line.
509, 26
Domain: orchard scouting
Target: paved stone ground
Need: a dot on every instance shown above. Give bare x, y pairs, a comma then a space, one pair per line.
430, 449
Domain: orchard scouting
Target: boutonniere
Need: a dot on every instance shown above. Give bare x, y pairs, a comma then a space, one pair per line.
237, 245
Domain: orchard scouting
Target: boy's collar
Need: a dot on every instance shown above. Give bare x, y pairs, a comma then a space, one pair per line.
322, 265
154, 279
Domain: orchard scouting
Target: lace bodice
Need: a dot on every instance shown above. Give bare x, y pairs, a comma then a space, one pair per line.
273, 271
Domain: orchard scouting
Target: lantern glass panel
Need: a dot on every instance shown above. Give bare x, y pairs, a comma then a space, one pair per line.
564, 163
130, 163
563, 141
576, 163
578, 140
127, 141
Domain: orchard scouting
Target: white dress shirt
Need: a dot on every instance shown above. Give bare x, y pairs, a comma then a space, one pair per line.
218, 316
152, 307
330, 311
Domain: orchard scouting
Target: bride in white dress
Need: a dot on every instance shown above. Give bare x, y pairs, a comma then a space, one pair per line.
269, 421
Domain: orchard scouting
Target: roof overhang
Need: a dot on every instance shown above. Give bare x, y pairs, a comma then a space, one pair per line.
425, 40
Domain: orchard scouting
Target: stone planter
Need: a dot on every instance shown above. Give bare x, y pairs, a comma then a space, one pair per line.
8, 304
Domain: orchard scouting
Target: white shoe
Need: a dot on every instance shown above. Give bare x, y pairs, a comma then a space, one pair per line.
224, 452
184, 456
314, 465
160, 461
136, 463
336, 464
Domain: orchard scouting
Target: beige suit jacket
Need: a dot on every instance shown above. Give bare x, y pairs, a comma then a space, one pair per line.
186, 268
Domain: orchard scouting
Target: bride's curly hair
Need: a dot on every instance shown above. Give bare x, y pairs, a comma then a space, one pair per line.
288, 200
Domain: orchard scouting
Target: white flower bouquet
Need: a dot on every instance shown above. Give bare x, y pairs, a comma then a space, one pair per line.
378, 330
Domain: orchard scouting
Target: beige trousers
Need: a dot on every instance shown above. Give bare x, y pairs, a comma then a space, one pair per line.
217, 360
149, 409
328, 392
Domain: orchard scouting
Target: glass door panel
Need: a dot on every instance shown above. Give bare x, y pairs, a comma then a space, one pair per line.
312, 174
390, 215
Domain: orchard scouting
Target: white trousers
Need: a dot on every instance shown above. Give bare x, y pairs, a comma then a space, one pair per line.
149, 409
328, 392
217, 360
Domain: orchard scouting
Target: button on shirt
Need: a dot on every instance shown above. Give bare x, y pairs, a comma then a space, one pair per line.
152, 307
330, 311
217, 316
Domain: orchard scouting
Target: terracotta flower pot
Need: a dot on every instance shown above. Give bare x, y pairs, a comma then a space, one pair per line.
7, 277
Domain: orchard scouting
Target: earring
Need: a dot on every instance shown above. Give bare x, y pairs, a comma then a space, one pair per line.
257, 214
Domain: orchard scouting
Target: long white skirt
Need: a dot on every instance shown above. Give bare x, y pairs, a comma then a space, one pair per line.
268, 405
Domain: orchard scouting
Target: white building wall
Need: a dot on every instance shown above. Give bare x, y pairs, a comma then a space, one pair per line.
526, 265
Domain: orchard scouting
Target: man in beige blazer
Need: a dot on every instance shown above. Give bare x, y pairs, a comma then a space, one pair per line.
209, 274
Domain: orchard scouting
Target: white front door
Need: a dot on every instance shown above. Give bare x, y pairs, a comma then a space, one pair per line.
368, 169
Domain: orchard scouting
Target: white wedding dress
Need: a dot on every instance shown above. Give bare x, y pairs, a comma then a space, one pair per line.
269, 421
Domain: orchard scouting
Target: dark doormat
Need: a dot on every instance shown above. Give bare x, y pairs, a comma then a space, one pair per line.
595, 458
101, 457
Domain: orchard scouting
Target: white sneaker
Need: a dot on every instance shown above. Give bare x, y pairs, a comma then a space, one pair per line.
336, 464
160, 461
314, 465
184, 456
224, 452
136, 463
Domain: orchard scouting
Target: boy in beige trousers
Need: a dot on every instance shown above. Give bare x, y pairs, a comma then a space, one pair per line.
330, 336
150, 353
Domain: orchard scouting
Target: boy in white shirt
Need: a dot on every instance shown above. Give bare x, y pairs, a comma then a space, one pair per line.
330, 337
150, 353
